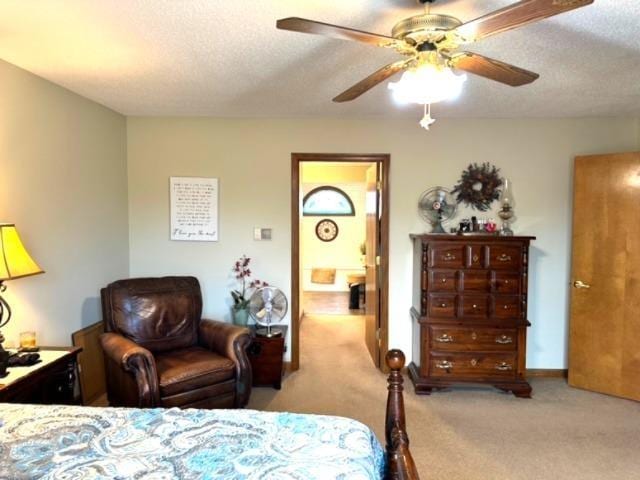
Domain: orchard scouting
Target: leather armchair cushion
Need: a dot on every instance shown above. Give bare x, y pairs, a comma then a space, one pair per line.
191, 368
160, 314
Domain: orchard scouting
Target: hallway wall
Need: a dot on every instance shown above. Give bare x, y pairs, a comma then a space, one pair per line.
343, 253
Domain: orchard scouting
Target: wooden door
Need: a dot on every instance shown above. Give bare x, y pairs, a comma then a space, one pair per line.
372, 306
604, 347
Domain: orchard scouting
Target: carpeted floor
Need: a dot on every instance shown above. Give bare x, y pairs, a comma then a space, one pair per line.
327, 303
466, 433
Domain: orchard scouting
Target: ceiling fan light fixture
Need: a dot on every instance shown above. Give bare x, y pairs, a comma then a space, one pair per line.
432, 42
427, 84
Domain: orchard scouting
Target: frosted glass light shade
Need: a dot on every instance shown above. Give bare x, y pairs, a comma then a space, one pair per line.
15, 261
506, 198
427, 84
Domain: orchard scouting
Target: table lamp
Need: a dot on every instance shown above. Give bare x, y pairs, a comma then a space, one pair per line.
15, 262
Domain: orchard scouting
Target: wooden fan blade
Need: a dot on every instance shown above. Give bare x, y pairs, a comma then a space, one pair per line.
514, 16
303, 25
492, 69
371, 81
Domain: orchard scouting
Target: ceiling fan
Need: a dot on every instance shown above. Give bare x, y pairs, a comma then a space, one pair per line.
432, 42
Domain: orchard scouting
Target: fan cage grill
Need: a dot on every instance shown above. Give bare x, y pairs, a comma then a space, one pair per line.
428, 198
279, 303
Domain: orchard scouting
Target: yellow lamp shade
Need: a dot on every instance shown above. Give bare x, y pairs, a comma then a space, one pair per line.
15, 261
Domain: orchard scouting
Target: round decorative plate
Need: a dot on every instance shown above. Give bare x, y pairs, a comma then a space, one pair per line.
326, 230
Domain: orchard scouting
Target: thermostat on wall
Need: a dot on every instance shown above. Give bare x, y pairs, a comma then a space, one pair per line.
262, 234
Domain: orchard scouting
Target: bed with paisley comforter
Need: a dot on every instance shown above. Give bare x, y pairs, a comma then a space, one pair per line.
72, 442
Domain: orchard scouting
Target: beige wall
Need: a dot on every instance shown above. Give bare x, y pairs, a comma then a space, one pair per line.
63, 183
342, 253
333, 172
252, 159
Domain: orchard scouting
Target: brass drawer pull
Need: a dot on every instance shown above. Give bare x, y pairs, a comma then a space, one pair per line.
444, 338
448, 257
506, 307
444, 364
475, 258
474, 336
475, 306
443, 305
444, 280
504, 339
474, 362
504, 366
503, 257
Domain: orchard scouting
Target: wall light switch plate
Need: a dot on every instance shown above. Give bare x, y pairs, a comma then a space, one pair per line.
262, 234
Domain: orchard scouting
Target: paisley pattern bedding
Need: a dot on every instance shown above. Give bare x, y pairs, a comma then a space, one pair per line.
65, 442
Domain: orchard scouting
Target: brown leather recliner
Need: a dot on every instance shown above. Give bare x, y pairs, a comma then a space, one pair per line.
160, 353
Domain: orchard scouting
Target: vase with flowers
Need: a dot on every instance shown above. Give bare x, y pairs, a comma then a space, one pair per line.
242, 295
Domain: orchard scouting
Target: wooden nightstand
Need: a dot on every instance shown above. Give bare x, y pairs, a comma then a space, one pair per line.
266, 357
53, 380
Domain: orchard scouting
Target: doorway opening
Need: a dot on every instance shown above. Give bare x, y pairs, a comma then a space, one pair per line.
340, 237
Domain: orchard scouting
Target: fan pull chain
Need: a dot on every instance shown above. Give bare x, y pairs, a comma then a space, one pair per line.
426, 119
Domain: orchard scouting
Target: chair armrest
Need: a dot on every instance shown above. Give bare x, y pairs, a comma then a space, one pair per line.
136, 361
230, 341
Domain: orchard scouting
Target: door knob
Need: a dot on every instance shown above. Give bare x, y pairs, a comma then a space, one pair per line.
580, 284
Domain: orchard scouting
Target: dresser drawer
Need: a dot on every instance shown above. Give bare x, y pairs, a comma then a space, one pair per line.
475, 256
505, 257
442, 280
268, 350
504, 306
475, 306
504, 282
446, 256
470, 365
441, 305
474, 281
464, 339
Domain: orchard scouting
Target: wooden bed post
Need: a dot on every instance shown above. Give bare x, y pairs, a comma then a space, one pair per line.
400, 463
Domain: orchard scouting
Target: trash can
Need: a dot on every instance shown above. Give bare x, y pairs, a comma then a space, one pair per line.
354, 296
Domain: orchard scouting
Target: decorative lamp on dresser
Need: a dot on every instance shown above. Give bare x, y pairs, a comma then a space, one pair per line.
470, 311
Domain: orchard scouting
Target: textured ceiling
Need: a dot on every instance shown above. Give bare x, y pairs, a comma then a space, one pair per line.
226, 58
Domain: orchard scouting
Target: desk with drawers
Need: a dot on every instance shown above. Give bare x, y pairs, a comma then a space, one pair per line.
52, 380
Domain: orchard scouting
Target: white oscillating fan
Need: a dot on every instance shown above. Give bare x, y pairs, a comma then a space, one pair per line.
268, 305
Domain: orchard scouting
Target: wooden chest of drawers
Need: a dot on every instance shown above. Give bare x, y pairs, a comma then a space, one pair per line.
470, 312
